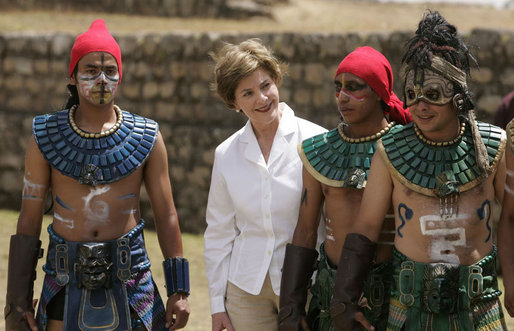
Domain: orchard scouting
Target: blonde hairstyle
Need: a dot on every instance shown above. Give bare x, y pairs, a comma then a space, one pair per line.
235, 62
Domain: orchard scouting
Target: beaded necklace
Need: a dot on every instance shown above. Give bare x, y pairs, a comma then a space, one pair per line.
363, 139
440, 143
84, 134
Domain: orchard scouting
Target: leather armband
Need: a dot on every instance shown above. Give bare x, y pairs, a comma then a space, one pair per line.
299, 265
355, 262
176, 274
24, 252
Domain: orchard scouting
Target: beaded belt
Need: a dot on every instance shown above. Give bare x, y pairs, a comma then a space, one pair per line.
443, 287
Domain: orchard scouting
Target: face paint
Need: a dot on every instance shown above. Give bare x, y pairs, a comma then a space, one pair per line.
444, 239
352, 89
98, 82
100, 88
427, 86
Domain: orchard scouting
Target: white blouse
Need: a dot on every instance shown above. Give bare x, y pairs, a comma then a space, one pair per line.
253, 207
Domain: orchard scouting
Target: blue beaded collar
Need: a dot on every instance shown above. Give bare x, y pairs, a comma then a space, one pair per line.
95, 161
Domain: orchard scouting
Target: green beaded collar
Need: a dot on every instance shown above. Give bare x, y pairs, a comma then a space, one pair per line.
420, 166
510, 134
336, 160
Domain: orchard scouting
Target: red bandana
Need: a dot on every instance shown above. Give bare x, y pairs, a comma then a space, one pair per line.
370, 65
96, 39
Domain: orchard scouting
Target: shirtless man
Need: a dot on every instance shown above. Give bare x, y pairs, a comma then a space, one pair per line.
506, 225
335, 170
94, 158
441, 181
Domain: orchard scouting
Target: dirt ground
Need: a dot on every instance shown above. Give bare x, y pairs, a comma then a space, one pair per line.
324, 16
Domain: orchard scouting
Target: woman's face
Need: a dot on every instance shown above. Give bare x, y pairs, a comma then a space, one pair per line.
257, 96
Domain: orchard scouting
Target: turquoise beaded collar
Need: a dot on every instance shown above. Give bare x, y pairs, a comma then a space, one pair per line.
336, 160
420, 165
95, 160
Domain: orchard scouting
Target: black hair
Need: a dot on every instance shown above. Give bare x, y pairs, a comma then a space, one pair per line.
74, 94
436, 36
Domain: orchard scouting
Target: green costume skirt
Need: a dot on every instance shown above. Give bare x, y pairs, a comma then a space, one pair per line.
446, 297
376, 290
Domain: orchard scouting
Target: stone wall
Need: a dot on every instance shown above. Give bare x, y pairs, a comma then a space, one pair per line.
166, 77
238, 9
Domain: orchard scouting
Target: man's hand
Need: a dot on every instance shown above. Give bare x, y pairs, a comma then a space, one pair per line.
221, 321
290, 319
21, 320
347, 317
177, 311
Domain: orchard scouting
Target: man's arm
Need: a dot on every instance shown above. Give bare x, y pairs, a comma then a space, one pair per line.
306, 231
300, 258
506, 233
158, 187
25, 244
376, 200
359, 248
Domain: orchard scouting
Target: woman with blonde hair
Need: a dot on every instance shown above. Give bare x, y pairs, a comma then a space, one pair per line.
255, 190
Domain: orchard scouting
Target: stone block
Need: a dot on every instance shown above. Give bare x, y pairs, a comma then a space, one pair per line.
482, 76
11, 180
167, 89
507, 77
13, 83
41, 66
315, 74
322, 97
40, 46
131, 90
489, 103
164, 111
61, 44
302, 96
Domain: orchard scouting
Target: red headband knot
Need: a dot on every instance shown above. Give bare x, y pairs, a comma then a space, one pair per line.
373, 67
96, 39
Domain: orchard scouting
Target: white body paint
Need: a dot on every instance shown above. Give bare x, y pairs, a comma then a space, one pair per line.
130, 211
96, 211
329, 231
508, 189
67, 222
31, 190
438, 228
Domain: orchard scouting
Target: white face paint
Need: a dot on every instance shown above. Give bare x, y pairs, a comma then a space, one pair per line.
66, 222
96, 211
100, 88
445, 238
31, 191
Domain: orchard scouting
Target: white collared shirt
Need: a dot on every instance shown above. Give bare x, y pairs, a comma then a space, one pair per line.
253, 207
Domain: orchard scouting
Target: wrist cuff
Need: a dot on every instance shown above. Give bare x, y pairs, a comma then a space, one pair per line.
176, 274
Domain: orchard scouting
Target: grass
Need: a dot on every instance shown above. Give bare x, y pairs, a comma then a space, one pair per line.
320, 16
199, 319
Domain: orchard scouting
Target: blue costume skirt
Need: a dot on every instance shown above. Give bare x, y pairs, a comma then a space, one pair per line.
108, 285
